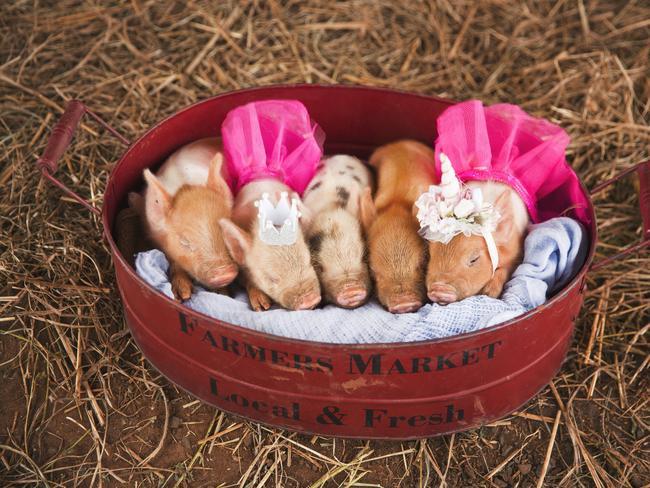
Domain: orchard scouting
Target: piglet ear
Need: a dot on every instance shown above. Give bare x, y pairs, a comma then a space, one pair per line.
237, 240
505, 227
367, 209
157, 203
415, 192
306, 215
216, 181
136, 202
418, 190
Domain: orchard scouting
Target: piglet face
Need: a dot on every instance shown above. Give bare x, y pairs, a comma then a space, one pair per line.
397, 260
195, 240
186, 227
462, 268
284, 273
397, 255
338, 252
457, 270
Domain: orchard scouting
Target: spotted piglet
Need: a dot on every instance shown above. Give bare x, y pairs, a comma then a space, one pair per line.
335, 235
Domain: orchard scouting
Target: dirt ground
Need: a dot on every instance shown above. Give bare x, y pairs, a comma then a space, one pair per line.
79, 404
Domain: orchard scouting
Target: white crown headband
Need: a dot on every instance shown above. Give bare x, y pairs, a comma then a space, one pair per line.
278, 225
452, 208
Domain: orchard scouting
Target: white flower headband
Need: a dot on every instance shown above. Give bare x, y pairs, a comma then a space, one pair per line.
452, 208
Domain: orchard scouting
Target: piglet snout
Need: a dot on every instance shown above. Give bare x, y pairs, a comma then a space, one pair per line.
223, 275
404, 304
351, 296
442, 293
307, 301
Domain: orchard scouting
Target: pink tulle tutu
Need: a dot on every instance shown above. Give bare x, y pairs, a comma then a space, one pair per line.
503, 143
271, 139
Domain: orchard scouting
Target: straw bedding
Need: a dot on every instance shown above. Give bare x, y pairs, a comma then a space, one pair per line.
79, 404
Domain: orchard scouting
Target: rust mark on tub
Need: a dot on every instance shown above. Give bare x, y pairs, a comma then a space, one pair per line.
353, 385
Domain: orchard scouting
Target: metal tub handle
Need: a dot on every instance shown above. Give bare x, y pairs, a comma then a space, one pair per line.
643, 172
59, 140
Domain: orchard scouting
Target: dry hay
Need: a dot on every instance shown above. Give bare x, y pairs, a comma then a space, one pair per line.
79, 404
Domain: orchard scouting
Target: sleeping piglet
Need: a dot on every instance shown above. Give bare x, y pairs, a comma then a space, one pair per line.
335, 236
463, 268
397, 252
280, 273
182, 206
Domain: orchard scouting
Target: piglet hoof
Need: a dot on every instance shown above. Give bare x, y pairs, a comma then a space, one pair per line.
182, 289
259, 300
402, 303
493, 290
351, 297
494, 287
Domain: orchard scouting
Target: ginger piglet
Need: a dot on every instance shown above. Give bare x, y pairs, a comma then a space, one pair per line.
476, 235
397, 253
181, 208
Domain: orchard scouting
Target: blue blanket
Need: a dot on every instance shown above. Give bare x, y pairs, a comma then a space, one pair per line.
554, 251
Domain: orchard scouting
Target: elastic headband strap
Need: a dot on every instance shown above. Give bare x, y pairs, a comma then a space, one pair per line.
492, 249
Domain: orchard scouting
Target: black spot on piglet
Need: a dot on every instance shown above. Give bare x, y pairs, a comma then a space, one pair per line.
342, 195
316, 242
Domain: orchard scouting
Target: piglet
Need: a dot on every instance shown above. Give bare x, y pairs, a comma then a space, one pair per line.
397, 253
271, 273
182, 206
335, 235
463, 267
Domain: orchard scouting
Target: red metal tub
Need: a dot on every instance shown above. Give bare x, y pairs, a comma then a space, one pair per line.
399, 391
